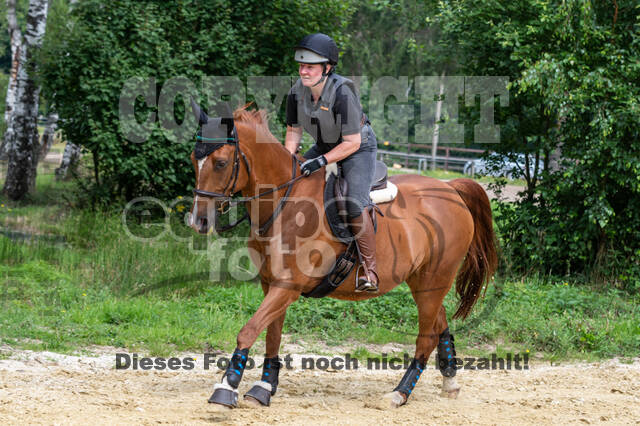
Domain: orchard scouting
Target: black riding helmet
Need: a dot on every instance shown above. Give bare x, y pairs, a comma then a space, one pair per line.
320, 44
318, 48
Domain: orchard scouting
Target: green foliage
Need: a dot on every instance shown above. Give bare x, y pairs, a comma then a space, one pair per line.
390, 43
572, 102
498, 39
573, 67
556, 317
64, 311
586, 215
392, 38
87, 61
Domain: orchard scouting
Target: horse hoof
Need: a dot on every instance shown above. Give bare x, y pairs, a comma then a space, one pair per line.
450, 388
395, 399
251, 402
452, 394
224, 396
259, 394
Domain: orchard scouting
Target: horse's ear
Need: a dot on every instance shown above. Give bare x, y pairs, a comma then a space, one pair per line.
228, 112
221, 109
200, 115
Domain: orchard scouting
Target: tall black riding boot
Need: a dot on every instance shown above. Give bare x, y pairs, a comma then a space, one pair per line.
362, 228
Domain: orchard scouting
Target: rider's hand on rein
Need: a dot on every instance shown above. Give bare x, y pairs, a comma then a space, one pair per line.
312, 165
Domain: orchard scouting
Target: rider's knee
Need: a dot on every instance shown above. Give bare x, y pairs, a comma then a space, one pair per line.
355, 208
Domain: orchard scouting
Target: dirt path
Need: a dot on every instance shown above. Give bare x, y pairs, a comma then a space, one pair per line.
56, 389
509, 192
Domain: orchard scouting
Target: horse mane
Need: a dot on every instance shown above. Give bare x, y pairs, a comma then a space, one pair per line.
256, 120
256, 116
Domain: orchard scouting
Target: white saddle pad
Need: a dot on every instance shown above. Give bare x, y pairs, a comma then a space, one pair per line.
378, 197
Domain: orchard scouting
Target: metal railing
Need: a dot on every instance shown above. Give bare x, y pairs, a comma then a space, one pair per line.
423, 161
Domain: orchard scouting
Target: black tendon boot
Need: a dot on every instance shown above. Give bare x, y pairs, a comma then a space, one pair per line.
226, 392
410, 378
446, 356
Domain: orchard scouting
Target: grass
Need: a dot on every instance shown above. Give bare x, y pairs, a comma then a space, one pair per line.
72, 278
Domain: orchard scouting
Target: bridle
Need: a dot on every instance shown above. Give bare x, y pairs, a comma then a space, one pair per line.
236, 169
228, 197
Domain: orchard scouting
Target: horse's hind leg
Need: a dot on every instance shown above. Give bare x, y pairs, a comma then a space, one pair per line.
446, 357
432, 323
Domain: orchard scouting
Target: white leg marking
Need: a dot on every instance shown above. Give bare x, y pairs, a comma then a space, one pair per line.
450, 387
393, 399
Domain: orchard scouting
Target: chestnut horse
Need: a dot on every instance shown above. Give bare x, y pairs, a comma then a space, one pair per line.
431, 234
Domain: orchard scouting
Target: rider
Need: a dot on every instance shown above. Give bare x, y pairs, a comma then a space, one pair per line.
327, 106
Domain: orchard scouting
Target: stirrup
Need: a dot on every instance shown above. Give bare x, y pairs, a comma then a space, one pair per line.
363, 286
367, 287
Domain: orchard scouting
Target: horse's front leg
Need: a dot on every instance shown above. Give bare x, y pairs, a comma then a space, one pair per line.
272, 308
261, 391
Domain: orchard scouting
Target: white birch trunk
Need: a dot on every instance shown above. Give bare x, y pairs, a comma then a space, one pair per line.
69, 160
49, 134
15, 36
24, 144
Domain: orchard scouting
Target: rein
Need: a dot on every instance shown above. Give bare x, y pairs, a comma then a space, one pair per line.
229, 198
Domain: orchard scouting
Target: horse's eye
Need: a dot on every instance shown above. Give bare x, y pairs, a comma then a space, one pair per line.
221, 164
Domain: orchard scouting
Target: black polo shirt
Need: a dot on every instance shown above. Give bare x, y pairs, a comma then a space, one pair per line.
336, 114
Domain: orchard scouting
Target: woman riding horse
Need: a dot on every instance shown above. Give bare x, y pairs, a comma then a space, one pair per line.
325, 104
432, 233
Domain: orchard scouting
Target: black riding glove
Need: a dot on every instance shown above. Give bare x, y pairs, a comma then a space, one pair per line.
312, 165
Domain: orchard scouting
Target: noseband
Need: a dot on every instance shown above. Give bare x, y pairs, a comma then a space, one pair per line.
233, 179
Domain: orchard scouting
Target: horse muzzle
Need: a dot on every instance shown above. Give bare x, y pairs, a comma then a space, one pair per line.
202, 217
202, 225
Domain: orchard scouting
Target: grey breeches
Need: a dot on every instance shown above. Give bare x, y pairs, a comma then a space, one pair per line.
357, 169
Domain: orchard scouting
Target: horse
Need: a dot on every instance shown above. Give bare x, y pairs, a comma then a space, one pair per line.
432, 233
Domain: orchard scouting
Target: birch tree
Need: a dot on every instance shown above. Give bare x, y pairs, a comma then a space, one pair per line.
69, 160
23, 144
15, 37
48, 136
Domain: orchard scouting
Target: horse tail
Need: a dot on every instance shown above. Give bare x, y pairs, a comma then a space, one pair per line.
482, 258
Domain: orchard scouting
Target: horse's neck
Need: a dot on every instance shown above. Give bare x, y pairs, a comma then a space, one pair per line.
271, 167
